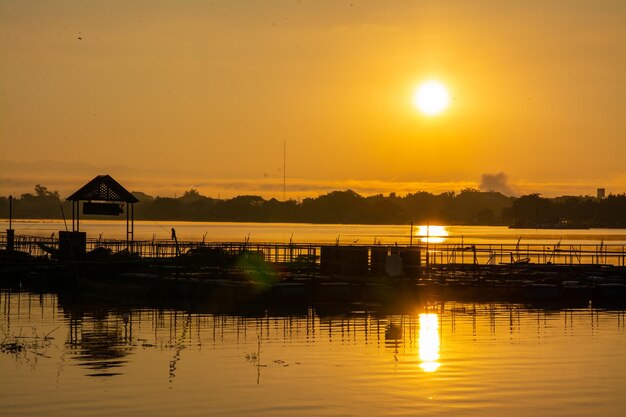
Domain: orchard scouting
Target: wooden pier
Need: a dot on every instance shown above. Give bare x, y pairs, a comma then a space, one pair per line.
349, 259
246, 273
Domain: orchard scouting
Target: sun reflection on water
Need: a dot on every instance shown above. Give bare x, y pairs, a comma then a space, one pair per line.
432, 234
429, 342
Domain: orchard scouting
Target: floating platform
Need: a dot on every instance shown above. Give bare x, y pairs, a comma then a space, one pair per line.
305, 272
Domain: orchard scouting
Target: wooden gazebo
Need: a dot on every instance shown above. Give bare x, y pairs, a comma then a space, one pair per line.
104, 196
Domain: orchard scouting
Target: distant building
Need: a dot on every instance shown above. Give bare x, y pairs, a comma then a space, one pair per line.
601, 193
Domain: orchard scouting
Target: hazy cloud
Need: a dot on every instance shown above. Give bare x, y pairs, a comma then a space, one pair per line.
17, 177
496, 182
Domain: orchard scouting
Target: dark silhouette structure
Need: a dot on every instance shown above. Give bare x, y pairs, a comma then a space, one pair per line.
102, 196
468, 207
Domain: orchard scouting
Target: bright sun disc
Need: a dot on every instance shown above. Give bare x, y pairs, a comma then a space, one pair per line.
431, 98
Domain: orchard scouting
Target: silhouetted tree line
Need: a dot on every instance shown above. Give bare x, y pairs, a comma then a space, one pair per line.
468, 207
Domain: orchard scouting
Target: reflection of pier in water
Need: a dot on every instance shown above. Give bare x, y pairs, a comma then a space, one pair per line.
100, 342
100, 338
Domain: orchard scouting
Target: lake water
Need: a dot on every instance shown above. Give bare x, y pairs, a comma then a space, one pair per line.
112, 357
321, 233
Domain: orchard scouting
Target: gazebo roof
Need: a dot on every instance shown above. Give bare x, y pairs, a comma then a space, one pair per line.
103, 188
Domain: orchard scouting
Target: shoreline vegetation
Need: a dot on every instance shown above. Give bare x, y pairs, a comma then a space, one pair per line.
468, 207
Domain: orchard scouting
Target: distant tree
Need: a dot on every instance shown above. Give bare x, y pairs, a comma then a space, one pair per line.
43, 192
42, 204
534, 210
469, 206
485, 216
612, 211
240, 208
191, 195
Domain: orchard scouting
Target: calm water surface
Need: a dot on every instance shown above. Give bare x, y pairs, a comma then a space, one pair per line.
321, 233
108, 357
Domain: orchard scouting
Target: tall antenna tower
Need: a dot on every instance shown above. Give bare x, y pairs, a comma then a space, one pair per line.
284, 170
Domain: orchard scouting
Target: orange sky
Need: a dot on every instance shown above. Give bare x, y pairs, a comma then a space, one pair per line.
168, 95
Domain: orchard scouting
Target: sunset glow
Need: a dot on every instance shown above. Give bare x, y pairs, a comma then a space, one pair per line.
432, 233
313, 208
205, 94
429, 342
432, 98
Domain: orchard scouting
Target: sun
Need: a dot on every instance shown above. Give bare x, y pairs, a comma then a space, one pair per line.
431, 98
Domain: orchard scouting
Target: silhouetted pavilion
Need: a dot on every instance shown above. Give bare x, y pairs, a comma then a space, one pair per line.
104, 196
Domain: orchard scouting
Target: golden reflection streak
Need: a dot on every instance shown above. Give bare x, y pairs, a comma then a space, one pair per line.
432, 234
429, 342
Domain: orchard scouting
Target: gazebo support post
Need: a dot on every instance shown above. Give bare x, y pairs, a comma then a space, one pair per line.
132, 225
127, 227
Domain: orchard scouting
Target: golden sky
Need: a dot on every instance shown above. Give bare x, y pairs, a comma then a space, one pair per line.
169, 95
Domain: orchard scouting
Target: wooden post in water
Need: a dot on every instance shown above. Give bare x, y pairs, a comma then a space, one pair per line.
10, 212
10, 231
427, 239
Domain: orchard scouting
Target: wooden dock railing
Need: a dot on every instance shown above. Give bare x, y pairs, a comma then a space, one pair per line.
430, 254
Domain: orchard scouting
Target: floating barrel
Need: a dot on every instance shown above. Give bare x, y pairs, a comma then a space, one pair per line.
354, 260
393, 265
411, 260
378, 259
344, 260
329, 260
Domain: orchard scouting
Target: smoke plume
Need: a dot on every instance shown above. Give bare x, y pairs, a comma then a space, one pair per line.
496, 182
